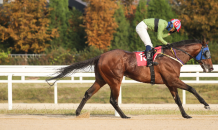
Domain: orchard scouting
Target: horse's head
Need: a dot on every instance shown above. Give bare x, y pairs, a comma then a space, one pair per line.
204, 58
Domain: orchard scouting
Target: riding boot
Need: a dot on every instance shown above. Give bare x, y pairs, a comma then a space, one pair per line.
149, 56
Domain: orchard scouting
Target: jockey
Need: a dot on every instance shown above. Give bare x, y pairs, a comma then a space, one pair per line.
156, 25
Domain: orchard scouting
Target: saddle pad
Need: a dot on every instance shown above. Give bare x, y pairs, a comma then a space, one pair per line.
141, 58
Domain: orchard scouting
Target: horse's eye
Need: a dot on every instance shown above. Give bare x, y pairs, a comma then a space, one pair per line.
207, 54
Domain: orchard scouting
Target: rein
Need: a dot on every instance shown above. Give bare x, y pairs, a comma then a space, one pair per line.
174, 52
173, 58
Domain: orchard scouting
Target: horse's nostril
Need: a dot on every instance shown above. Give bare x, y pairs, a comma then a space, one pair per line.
211, 69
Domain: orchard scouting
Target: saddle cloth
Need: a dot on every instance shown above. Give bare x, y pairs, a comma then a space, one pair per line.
141, 58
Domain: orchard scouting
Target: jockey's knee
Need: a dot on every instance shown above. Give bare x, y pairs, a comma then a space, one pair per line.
148, 47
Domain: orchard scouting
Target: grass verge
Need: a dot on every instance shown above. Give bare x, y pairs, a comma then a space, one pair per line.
131, 93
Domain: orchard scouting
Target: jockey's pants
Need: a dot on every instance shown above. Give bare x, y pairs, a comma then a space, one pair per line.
141, 29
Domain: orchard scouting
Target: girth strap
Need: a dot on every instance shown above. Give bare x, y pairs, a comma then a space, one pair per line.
152, 75
156, 21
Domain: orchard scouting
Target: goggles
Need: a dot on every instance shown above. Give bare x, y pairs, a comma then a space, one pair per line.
203, 54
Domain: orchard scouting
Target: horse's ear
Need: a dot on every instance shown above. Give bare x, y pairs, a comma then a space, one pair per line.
205, 42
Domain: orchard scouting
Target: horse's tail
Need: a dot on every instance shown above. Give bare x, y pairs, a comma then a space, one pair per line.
62, 72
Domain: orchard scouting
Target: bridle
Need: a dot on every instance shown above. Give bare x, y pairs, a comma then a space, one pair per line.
199, 61
203, 54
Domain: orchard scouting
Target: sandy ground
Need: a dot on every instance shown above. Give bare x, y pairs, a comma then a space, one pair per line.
107, 122
145, 122
105, 106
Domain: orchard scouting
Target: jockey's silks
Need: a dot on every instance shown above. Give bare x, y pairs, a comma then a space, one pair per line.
161, 27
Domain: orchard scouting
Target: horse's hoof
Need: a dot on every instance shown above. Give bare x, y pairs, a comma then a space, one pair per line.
187, 116
207, 107
77, 113
126, 117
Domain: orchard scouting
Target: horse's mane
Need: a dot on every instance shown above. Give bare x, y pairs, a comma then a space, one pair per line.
182, 43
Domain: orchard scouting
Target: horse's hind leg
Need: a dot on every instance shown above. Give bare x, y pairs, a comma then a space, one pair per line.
89, 93
175, 95
114, 100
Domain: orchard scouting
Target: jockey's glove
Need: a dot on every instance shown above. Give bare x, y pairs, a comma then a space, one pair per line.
168, 45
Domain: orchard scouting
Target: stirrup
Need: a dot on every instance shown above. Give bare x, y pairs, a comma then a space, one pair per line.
149, 65
155, 63
152, 64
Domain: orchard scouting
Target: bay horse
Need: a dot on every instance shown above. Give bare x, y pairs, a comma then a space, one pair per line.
110, 67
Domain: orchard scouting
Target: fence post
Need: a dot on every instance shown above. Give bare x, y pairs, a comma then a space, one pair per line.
81, 79
197, 77
184, 96
55, 93
23, 76
10, 92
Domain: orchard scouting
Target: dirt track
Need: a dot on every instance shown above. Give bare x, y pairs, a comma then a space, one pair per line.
108, 122
149, 122
89, 106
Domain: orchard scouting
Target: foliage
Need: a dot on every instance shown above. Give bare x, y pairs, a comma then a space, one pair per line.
199, 17
87, 53
140, 14
100, 23
126, 2
4, 56
59, 17
121, 36
192, 62
52, 56
130, 12
26, 22
161, 9
76, 31
7, 44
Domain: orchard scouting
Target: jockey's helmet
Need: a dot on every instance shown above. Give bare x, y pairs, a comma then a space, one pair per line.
176, 24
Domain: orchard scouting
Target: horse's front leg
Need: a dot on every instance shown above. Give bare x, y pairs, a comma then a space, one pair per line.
200, 99
179, 84
175, 95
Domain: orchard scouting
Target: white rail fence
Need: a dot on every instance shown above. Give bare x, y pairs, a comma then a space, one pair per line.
45, 71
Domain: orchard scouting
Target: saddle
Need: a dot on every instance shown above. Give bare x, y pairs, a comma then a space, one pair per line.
142, 61
141, 58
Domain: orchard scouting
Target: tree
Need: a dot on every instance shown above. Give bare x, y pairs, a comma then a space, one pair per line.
76, 31
100, 23
140, 14
121, 36
130, 12
26, 22
60, 16
127, 2
162, 9
199, 17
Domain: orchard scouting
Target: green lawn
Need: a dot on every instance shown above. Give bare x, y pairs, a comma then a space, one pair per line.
131, 93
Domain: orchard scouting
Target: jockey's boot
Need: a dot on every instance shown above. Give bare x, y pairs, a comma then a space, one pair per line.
149, 56
149, 59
